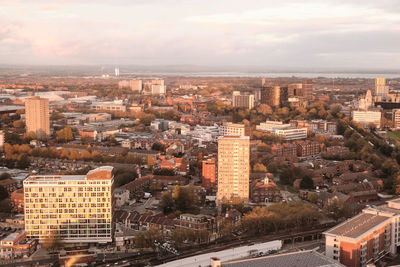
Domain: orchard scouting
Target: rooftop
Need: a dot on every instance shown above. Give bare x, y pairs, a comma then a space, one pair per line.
358, 225
307, 258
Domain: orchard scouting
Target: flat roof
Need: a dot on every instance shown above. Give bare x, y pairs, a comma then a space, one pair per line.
11, 237
307, 258
359, 225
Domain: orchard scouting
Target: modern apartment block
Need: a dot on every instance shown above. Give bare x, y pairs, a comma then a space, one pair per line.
366, 118
367, 237
74, 208
242, 100
37, 116
233, 167
234, 129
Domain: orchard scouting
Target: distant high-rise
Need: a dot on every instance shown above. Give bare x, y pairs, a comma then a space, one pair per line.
37, 116
242, 100
307, 89
116, 71
158, 87
271, 96
233, 167
380, 87
134, 85
294, 89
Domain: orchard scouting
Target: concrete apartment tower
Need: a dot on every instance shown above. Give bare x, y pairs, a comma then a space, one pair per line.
233, 167
37, 116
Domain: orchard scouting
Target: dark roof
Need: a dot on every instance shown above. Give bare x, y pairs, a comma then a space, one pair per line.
294, 259
358, 225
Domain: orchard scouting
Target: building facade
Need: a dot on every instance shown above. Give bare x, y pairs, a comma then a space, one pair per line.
74, 208
367, 237
233, 167
209, 172
242, 100
233, 129
381, 89
366, 118
37, 116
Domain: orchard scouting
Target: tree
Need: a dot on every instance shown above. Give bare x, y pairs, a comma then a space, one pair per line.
3, 193
337, 208
164, 172
264, 109
65, 135
185, 199
259, 167
167, 203
124, 176
5, 175
306, 182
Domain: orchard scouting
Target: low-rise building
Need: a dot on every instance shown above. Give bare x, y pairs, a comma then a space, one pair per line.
366, 118
286, 151
17, 199
196, 222
308, 148
16, 246
264, 190
291, 133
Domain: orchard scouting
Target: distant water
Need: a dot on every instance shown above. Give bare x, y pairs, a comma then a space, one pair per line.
269, 74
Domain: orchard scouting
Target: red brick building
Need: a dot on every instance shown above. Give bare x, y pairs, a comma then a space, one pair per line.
287, 150
308, 148
264, 190
9, 184
209, 171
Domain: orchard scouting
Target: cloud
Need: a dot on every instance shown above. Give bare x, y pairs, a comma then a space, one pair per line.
256, 32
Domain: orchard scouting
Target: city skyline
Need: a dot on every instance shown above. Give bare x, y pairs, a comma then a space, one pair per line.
328, 34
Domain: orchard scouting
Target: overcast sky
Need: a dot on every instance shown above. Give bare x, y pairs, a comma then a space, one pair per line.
328, 34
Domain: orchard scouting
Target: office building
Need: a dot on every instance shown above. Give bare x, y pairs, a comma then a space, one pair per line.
381, 89
294, 89
242, 100
37, 116
234, 129
75, 208
271, 96
116, 106
233, 167
307, 89
367, 237
291, 133
269, 126
209, 172
367, 118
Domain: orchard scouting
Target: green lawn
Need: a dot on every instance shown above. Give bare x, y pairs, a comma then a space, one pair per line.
394, 135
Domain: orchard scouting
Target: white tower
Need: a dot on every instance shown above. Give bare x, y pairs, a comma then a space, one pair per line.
116, 71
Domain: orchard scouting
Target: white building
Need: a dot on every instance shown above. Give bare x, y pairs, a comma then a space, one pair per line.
269, 126
232, 129
77, 208
116, 105
365, 118
291, 133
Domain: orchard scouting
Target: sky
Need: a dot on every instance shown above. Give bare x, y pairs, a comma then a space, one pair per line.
292, 33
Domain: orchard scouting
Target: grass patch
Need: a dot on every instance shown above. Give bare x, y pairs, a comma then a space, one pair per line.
394, 135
